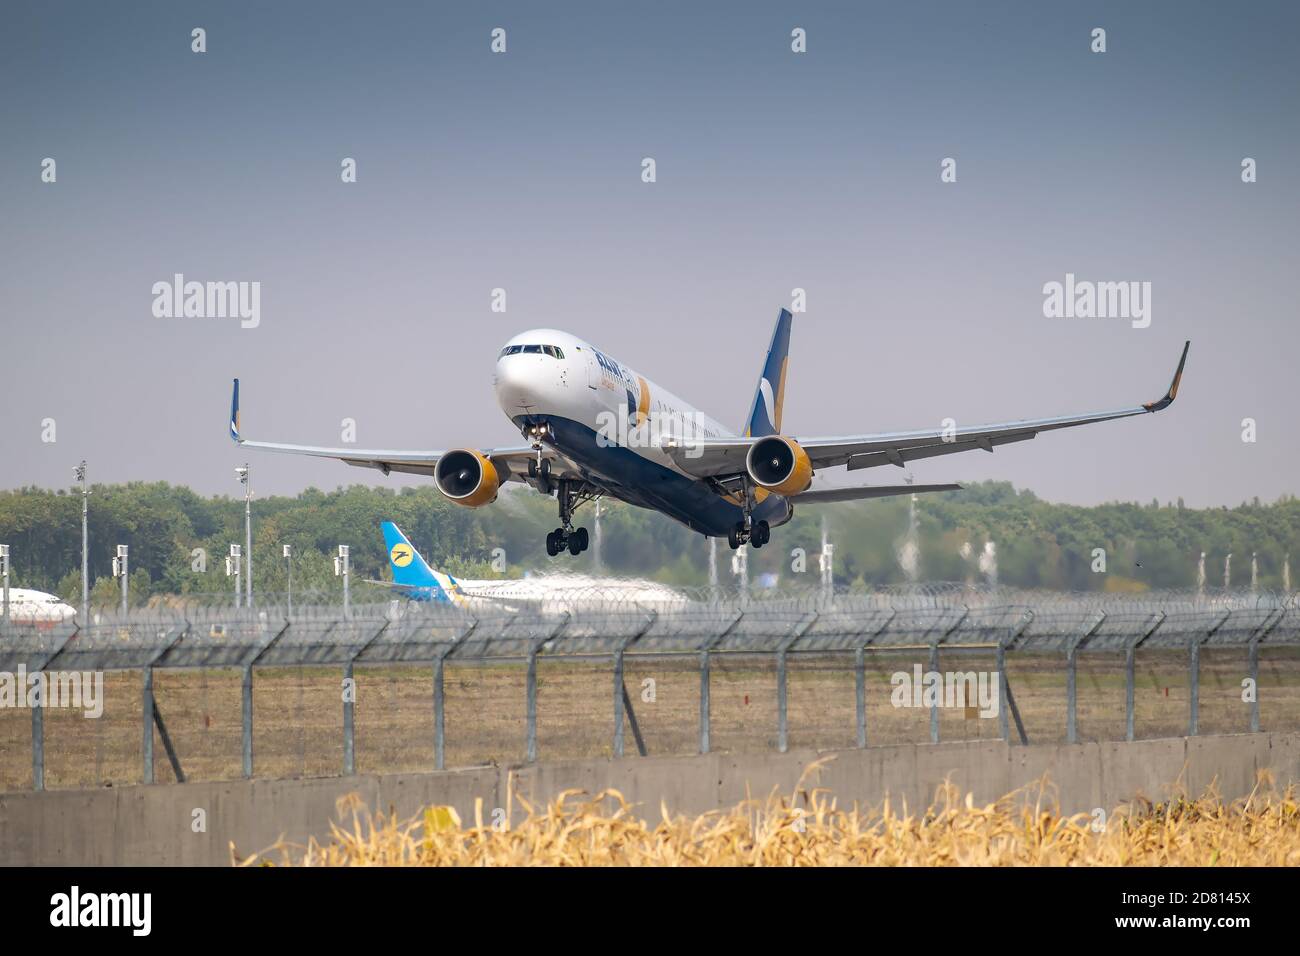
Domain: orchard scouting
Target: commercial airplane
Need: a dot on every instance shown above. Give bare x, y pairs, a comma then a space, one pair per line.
36, 607
416, 580
412, 574
595, 427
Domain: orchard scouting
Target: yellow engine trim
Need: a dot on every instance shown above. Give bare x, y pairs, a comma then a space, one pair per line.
488, 486
800, 476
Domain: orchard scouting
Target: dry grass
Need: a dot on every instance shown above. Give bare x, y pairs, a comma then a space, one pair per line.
809, 829
298, 717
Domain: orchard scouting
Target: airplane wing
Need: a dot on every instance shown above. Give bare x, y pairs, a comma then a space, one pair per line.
830, 495
723, 457
511, 462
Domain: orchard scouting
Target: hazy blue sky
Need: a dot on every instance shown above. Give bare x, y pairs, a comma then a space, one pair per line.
776, 170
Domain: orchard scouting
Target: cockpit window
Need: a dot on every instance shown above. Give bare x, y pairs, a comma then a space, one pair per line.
554, 351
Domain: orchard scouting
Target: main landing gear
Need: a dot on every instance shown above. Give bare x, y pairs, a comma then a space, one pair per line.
574, 540
567, 537
758, 535
749, 531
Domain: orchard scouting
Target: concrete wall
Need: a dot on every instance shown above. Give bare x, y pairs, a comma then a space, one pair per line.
153, 825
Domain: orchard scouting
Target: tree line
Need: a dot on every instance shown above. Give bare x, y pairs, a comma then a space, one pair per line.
178, 540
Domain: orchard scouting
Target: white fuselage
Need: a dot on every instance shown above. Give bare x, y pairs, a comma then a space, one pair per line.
36, 607
568, 378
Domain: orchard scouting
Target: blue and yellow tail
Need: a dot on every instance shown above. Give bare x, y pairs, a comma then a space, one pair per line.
412, 573
769, 397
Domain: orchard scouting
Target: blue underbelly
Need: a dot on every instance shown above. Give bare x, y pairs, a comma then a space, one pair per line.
650, 485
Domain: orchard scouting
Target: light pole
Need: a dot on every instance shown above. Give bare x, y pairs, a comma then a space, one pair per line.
242, 473
121, 569
827, 565
4, 575
342, 569
288, 565
232, 569
85, 544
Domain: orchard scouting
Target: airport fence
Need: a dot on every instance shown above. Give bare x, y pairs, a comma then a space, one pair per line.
404, 686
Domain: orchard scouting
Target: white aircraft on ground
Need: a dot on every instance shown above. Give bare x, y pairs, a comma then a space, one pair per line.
36, 607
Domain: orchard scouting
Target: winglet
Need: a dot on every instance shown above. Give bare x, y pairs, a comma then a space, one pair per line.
1173, 387
234, 414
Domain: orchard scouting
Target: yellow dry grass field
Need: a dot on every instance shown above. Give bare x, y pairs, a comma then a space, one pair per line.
809, 828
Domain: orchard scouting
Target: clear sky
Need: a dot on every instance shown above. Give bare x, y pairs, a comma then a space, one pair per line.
775, 170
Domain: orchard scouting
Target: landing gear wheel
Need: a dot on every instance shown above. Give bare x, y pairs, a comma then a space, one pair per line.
583, 541
761, 534
733, 538
542, 473
575, 545
552, 546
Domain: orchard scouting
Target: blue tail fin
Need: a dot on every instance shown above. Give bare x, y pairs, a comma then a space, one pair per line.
769, 397
412, 571
234, 412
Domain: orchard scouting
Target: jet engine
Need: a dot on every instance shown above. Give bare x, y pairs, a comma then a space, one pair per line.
467, 477
778, 464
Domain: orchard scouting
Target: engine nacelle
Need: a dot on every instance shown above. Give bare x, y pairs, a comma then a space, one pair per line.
778, 464
467, 477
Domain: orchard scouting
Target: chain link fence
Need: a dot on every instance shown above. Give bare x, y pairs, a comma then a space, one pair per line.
201, 691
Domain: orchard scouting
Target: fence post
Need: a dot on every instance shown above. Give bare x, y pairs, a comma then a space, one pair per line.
1071, 698
1254, 682
618, 702
782, 687
246, 715
38, 748
532, 705
439, 716
1004, 727
349, 739
860, 693
247, 702
1269, 623
782, 717
38, 718
147, 699
1130, 679
704, 701
1130, 674
934, 705
533, 649
1195, 667
620, 692
1072, 678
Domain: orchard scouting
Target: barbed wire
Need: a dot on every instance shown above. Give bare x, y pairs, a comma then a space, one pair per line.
193, 631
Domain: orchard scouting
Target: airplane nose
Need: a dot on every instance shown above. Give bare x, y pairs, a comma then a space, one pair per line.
516, 384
